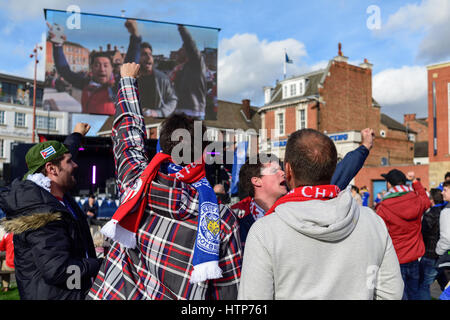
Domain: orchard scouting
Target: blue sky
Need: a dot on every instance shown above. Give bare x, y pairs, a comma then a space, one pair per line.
254, 34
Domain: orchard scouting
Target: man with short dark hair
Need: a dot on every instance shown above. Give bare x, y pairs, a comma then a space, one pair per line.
98, 90
316, 242
402, 209
264, 180
54, 252
189, 77
90, 208
171, 240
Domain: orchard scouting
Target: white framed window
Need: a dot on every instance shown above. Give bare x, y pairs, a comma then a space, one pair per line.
302, 87
2, 117
301, 118
293, 91
2, 148
279, 123
41, 122
19, 119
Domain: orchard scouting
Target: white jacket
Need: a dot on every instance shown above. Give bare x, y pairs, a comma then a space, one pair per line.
443, 243
334, 249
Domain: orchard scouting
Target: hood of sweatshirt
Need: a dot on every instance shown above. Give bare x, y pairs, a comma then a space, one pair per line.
330, 220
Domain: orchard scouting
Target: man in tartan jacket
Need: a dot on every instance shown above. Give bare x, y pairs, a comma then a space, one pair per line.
160, 265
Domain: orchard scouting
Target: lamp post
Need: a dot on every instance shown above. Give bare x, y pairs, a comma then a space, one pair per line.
36, 61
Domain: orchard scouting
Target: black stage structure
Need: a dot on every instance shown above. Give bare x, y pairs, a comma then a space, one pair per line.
98, 152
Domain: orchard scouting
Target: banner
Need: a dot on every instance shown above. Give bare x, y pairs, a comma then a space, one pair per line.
240, 154
84, 53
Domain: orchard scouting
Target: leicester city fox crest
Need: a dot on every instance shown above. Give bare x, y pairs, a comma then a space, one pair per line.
209, 227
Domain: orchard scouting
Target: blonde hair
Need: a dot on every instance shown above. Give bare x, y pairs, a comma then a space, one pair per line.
98, 239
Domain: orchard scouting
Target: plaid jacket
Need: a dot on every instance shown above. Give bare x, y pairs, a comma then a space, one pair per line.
160, 266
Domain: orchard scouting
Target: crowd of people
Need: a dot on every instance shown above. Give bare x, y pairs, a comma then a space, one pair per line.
300, 233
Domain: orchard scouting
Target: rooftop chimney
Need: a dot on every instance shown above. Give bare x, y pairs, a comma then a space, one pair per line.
246, 109
101, 48
108, 47
409, 117
340, 57
366, 64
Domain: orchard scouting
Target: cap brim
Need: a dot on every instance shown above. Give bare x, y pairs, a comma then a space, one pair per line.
384, 175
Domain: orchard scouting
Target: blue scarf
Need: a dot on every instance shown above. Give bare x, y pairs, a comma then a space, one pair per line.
207, 244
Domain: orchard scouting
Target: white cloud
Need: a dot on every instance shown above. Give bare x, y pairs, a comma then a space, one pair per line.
27, 71
416, 16
246, 64
402, 90
431, 17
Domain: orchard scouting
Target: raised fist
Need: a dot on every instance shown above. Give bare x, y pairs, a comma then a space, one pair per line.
410, 175
56, 33
367, 136
82, 128
131, 25
129, 70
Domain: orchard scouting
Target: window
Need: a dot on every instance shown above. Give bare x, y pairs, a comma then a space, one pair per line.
293, 89
19, 119
45, 122
302, 88
2, 117
279, 125
301, 119
2, 148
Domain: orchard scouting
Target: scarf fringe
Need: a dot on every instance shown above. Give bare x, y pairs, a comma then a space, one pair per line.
206, 271
114, 231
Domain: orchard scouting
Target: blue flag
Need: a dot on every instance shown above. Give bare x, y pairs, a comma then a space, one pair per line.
239, 159
287, 59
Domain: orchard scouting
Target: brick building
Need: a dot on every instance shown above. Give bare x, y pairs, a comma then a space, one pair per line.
420, 126
235, 122
439, 120
338, 101
76, 55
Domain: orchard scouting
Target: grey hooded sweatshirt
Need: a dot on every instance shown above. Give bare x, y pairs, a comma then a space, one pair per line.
334, 249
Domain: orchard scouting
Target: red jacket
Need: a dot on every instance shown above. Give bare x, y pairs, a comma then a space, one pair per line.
403, 218
6, 244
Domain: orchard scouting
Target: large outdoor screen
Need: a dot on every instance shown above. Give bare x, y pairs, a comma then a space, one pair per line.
84, 52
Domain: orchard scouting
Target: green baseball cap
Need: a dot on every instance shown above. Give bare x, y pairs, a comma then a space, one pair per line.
41, 153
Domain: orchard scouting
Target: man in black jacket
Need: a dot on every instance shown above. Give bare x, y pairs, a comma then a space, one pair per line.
54, 252
430, 233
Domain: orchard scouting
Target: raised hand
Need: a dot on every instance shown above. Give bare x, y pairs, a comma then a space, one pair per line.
129, 70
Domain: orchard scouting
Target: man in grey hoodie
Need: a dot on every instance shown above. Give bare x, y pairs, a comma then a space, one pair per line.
317, 242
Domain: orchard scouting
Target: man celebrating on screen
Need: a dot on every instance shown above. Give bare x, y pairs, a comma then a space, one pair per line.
98, 89
189, 77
